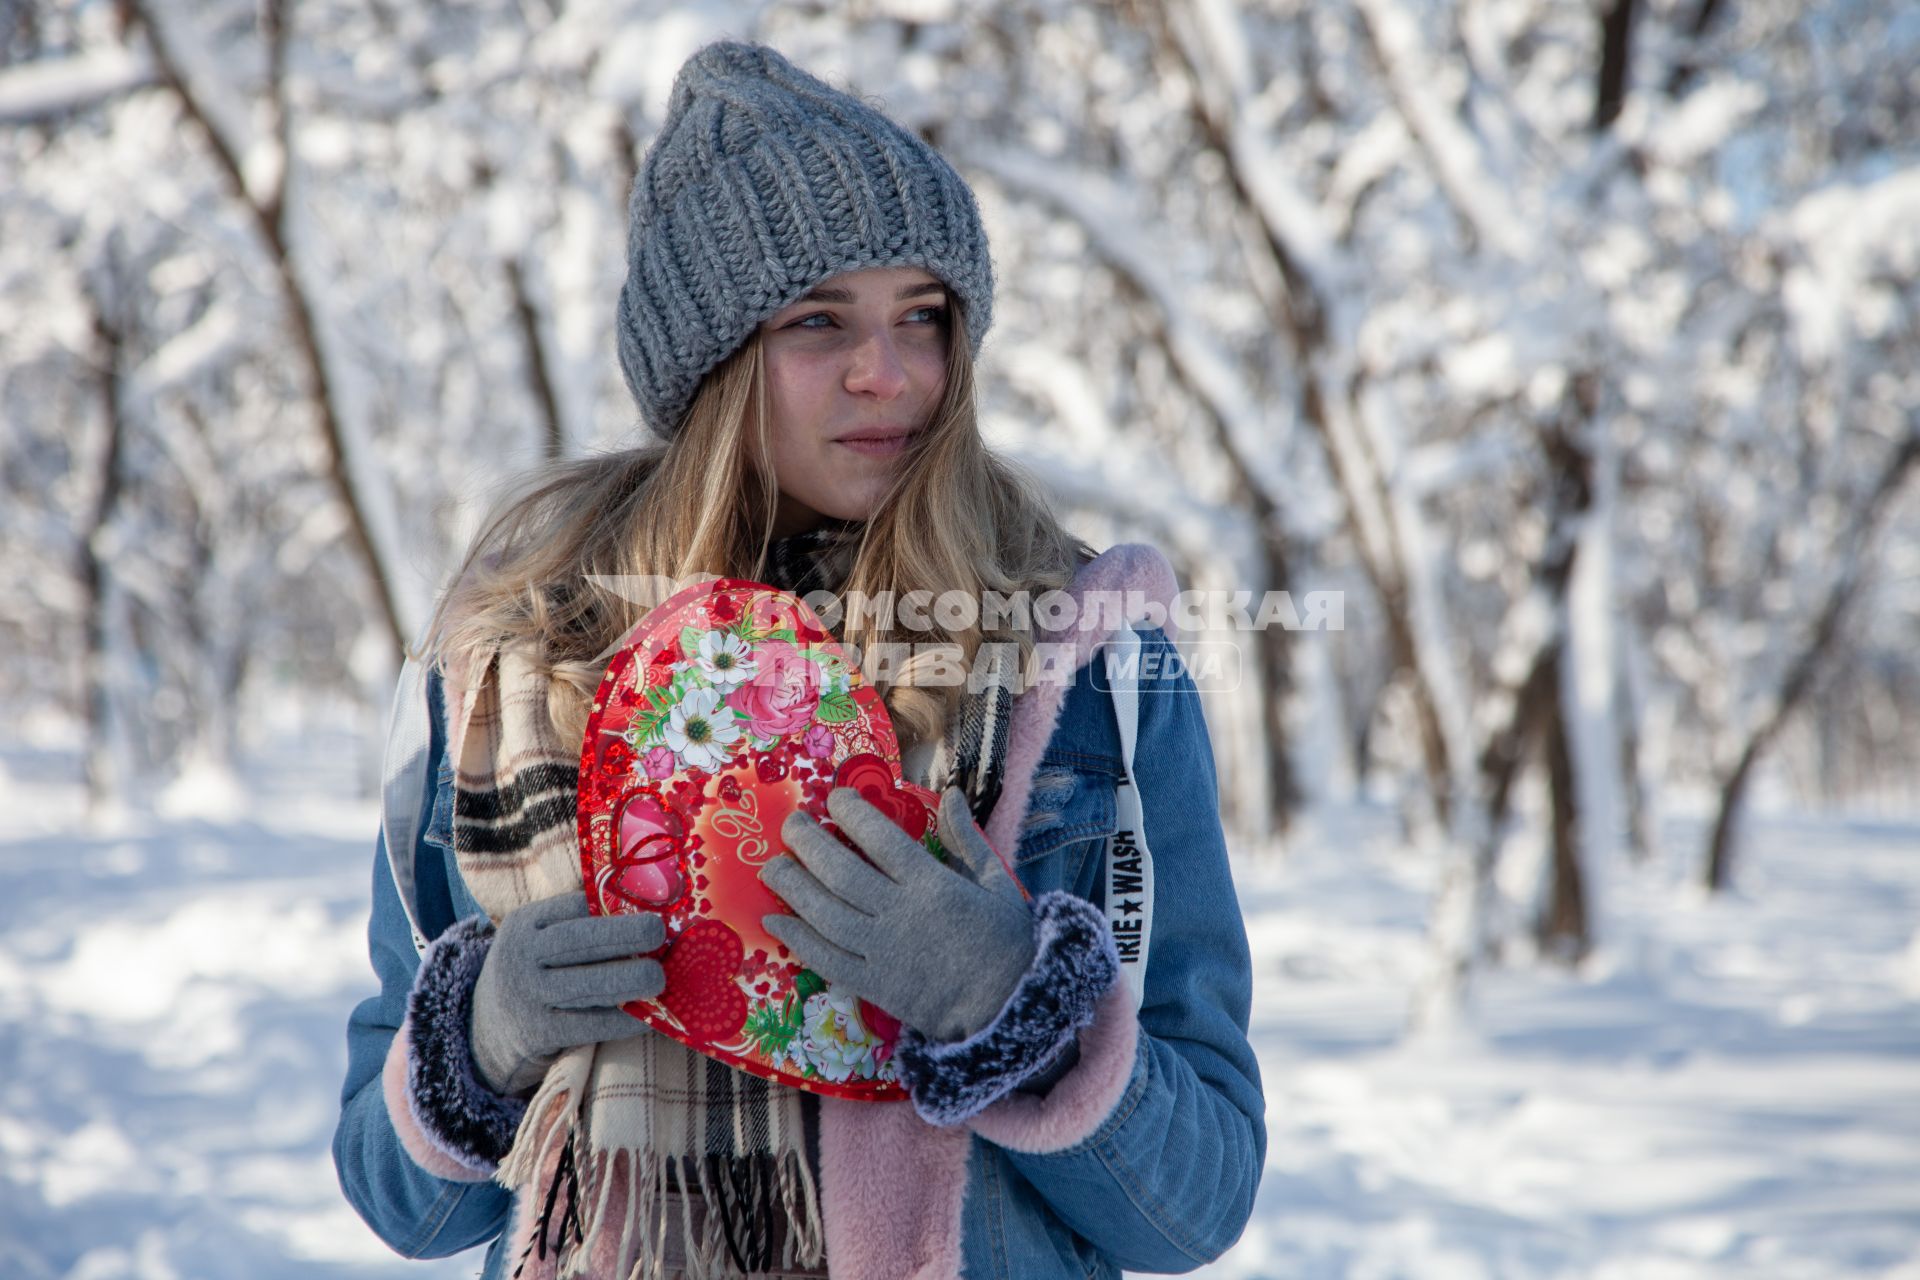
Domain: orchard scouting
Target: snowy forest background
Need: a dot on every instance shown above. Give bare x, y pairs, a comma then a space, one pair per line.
1578, 344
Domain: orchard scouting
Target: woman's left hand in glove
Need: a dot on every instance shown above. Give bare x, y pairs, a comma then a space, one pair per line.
938, 946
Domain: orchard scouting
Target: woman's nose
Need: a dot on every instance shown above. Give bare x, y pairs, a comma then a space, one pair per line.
877, 369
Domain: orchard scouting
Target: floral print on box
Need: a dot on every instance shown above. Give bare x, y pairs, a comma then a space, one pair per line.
729, 706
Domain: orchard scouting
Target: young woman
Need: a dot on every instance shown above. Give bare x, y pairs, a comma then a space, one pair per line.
807, 287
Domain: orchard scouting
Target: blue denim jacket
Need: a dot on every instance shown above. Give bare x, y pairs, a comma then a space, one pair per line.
1164, 1183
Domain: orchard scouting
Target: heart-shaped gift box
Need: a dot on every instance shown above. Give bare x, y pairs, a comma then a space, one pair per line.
726, 708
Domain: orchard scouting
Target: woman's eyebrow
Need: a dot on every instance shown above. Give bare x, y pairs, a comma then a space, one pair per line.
830, 293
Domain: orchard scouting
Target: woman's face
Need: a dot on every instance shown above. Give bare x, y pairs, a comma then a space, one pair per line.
854, 368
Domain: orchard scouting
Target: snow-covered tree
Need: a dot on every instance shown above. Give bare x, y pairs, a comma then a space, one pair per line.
1576, 345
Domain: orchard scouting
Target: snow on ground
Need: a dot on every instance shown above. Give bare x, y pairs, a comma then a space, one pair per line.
1730, 1088
174, 994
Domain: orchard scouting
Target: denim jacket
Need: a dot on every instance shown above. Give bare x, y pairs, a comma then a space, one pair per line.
1161, 1180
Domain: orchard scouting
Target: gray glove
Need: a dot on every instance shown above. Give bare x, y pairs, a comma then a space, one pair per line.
555, 978
939, 947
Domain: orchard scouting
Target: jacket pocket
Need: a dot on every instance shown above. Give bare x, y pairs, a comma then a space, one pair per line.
1071, 801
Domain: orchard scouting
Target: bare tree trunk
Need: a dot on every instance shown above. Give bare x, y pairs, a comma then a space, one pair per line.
1627, 719
1563, 928
1688, 67
1301, 317
537, 372
1506, 745
1732, 793
1272, 647
1501, 758
1616, 60
269, 220
90, 569
1332, 400
626, 151
1805, 667
1276, 687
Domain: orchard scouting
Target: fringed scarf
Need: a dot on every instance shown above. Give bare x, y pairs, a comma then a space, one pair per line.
638, 1155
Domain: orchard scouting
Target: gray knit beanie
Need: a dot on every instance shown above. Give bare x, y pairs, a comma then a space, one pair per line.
762, 183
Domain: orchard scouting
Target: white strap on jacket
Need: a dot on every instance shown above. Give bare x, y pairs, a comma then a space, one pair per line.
404, 774
1129, 864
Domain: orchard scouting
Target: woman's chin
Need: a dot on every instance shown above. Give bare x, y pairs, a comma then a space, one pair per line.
852, 504
859, 513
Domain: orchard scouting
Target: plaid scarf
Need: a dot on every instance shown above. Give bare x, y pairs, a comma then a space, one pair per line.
640, 1157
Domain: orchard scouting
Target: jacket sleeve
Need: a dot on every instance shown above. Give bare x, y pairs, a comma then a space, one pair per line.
1151, 1146
417, 1212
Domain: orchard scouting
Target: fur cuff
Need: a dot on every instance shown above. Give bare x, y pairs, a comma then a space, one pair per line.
458, 1115
426, 1152
1086, 1099
1075, 964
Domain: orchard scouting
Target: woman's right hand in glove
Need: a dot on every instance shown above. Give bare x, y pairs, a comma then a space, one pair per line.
554, 978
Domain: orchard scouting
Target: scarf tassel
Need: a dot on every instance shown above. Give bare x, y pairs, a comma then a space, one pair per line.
566, 1180
744, 1205
624, 1233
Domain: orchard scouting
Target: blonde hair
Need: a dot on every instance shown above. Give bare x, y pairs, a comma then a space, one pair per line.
956, 518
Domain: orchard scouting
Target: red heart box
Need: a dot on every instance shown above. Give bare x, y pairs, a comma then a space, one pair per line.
728, 707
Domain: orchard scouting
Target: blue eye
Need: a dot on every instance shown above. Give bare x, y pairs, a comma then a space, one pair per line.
938, 317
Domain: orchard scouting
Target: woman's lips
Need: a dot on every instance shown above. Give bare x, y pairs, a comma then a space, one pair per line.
877, 445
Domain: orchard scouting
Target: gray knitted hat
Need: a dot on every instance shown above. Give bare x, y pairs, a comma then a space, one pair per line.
762, 183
